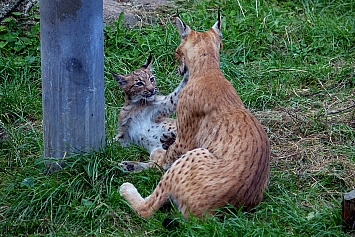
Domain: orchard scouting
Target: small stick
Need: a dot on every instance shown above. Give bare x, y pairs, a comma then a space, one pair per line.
338, 111
342, 110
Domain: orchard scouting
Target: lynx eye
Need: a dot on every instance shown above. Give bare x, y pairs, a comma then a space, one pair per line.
139, 83
152, 79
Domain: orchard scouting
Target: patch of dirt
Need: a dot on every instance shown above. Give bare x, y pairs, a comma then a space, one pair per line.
136, 12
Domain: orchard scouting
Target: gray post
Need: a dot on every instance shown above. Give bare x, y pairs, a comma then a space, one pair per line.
72, 77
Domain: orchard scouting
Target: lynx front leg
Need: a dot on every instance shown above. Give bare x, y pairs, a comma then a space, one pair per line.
168, 103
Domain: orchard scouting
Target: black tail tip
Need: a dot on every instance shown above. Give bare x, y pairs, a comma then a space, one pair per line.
169, 223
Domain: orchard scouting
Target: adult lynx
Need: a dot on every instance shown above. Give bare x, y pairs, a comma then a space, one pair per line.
221, 154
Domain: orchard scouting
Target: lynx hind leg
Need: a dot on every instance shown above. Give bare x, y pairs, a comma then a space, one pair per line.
143, 207
182, 183
133, 166
130, 193
156, 161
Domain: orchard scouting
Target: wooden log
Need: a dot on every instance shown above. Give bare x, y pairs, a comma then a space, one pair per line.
72, 61
348, 210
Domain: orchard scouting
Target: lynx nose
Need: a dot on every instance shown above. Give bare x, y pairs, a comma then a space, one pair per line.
151, 90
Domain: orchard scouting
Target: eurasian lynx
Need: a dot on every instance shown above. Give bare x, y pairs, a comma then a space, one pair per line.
143, 119
221, 154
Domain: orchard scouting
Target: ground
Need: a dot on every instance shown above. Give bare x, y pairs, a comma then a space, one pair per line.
136, 11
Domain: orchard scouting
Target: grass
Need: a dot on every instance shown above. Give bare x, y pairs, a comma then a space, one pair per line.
292, 63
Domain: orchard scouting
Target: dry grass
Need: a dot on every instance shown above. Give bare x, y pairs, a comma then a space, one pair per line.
313, 140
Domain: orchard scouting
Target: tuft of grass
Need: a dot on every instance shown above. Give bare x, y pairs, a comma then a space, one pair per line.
292, 63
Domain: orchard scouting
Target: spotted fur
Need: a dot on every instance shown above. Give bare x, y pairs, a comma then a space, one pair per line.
221, 154
144, 118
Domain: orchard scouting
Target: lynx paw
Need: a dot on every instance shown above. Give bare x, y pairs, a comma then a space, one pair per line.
157, 154
133, 166
127, 190
130, 193
167, 139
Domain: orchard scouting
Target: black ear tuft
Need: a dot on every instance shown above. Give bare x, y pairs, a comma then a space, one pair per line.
119, 78
219, 14
148, 63
218, 25
183, 29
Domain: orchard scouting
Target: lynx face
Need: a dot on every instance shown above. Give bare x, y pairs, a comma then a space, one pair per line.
139, 86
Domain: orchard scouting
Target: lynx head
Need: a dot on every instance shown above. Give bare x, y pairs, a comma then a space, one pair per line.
139, 86
197, 44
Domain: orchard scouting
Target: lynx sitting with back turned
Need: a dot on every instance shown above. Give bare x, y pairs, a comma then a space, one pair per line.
221, 153
143, 119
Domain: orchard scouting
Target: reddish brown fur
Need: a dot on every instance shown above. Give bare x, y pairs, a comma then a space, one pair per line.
221, 154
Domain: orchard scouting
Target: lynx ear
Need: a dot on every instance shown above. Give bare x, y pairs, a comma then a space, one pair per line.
148, 63
183, 29
217, 27
119, 78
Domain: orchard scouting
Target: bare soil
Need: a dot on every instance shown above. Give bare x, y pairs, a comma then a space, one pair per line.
135, 11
